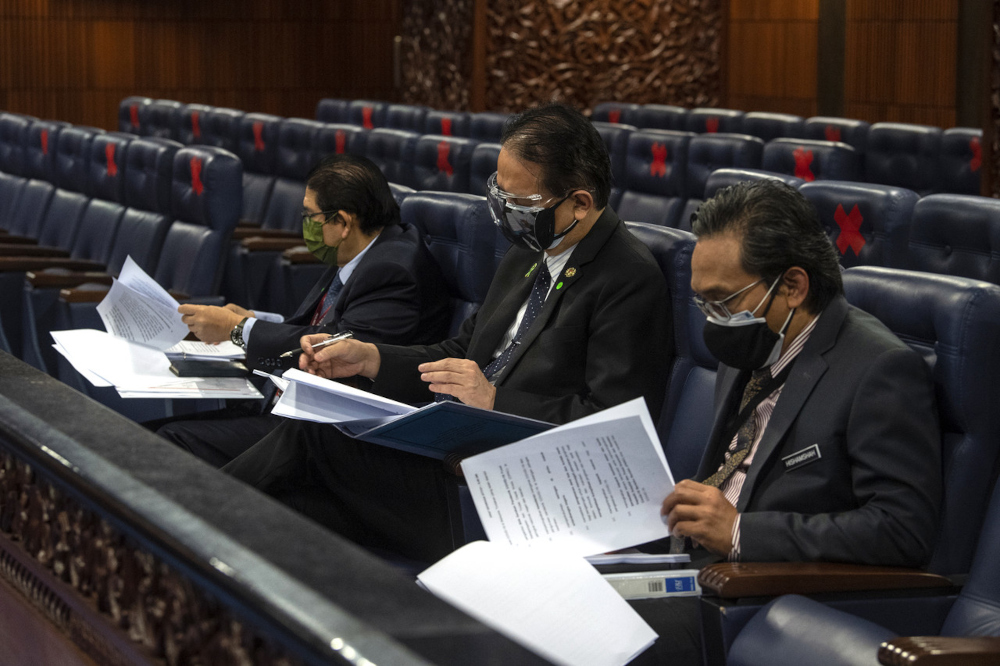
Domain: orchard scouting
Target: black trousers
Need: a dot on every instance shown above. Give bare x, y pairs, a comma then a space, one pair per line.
218, 436
374, 495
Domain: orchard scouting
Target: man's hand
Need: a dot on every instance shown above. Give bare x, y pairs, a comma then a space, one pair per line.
460, 378
702, 513
345, 358
242, 312
209, 323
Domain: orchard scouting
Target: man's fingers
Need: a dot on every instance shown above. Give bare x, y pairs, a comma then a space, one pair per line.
445, 377
448, 365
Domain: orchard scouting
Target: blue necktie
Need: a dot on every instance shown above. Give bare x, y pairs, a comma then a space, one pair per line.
328, 301
535, 301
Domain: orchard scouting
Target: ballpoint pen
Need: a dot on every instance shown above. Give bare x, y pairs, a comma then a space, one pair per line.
319, 345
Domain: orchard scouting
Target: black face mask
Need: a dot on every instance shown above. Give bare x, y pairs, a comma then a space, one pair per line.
747, 343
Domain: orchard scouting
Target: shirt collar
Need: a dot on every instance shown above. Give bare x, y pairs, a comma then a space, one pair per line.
794, 347
347, 269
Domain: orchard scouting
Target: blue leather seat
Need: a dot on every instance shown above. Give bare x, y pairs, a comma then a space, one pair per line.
257, 149
367, 113
827, 128
484, 164
487, 126
161, 118
721, 178
132, 114
655, 174
447, 123
812, 160
331, 110
708, 120
72, 157
26, 214
903, 155
392, 151
709, 152
961, 160
659, 116
10, 192
105, 173
335, 139
190, 122
868, 224
615, 136
442, 163
13, 129
221, 128
614, 112
40, 141
148, 164
407, 117
296, 156
956, 234
769, 126
399, 193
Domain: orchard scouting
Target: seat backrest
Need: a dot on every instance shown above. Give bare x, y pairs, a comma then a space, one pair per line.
329, 110
721, 178
221, 128
297, 148
709, 152
392, 151
442, 163
97, 231
161, 118
956, 234
687, 414
149, 164
400, 192
447, 123
461, 236
140, 235
10, 192
769, 126
41, 139
29, 210
954, 324
655, 171
614, 112
13, 129
711, 121
337, 139
405, 117
284, 205
190, 122
106, 166
659, 116
132, 113
62, 219
487, 126
615, 137
258, 142
828, 128
868, 224
961, 160
72, 157
484, 164
365, 112
811, 160
904, 155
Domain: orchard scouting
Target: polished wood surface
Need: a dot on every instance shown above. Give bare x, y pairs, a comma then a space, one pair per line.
940, 651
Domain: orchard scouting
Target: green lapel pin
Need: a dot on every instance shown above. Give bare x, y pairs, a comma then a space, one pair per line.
530, 270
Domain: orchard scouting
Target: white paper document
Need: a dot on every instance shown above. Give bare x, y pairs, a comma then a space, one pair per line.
554, 604
196, 350
313, 398
588, 487
140, 310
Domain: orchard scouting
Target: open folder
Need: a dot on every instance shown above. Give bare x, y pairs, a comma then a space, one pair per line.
434, 430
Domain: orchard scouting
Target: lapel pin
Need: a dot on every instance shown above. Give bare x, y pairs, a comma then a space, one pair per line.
570, 272
530, 270
559, 286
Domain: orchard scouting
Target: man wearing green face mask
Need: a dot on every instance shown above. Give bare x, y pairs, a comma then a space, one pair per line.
382, 285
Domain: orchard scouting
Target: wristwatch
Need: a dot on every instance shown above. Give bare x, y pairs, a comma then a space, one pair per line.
236, 335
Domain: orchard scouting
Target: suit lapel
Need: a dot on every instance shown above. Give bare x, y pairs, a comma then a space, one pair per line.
311, 300
809, 367
727, 380
494, 328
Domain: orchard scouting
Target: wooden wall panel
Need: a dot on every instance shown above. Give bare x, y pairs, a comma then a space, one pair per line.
75, 60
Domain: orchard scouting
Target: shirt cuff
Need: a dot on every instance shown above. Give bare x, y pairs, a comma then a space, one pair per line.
247, 327
272, 317
734, 552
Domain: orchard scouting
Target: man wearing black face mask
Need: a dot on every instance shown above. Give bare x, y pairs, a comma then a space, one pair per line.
577, 319
826, 443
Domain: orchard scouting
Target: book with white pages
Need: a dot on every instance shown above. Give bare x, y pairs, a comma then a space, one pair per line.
433, 430
195, 350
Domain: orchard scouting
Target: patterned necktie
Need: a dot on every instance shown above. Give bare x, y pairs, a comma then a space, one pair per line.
535, 301
328, 301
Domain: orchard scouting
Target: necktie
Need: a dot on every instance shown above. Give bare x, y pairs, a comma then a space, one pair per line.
535, 301
328, 301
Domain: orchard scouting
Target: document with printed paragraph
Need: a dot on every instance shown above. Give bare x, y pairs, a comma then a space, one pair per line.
140, 310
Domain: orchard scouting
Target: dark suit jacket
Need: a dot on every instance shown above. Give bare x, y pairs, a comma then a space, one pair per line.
603, 337
872, 496
395, 295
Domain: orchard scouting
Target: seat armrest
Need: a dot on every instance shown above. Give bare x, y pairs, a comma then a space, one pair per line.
82, 295
43, 280
261, 244
18, 250
732, 580
299, 255
9, 239
240, 233
23, 264
940, 651
179, 295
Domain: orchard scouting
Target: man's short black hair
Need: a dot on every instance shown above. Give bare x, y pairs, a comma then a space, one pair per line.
354, 184
566, 145
778, 228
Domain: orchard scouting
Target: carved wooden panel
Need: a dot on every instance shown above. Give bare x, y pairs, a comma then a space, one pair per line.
592, 51
436, 65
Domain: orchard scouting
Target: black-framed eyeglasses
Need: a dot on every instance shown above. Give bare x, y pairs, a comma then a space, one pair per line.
308, 217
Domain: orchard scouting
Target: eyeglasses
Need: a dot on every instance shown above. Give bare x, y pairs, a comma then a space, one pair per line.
718, 309
527, 203
308, 217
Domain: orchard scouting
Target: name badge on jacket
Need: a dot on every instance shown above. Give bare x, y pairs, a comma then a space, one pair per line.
803, 457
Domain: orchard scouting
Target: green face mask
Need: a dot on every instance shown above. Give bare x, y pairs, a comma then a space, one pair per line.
312, 233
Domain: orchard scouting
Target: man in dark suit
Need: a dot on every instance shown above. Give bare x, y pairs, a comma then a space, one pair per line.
382, 285
577, 319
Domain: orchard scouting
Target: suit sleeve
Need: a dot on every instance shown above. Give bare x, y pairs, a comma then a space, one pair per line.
894, 444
